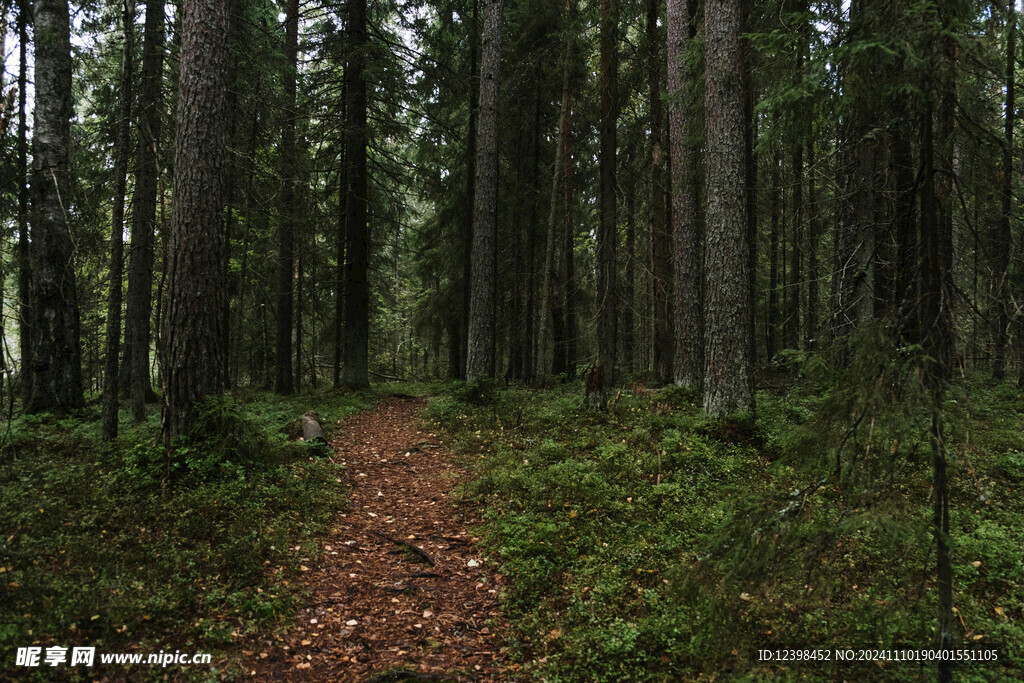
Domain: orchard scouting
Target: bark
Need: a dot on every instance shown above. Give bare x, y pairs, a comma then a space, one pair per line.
339, 268
355, 372
192, 348
660, 248
544, 355
480, 354
1002, 239
813, 232
284, 382
606, 231
24, 257
728, 377
569, 235
687, 240
937, 300
113, 343
56, 371
135, 371
471, 159
772, 322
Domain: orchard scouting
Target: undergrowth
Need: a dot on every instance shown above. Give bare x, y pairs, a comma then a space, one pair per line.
126, 547
653, 543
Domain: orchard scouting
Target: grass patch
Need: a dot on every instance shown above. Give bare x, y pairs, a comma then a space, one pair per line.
117, 547
649, 543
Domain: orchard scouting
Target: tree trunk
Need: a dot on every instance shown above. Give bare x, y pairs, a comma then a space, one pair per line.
56, 372
193, 310
108, 428
480, 355
728, 377
660, 249
813, 231
606, 230
471, 170
24, 257
339, 268
772, 319
937, 297
140, 264
355, 372
284, 382
544, 350
687, 244
569, 235
1002, 242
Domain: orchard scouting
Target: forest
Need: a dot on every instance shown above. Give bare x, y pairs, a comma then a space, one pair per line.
560, 340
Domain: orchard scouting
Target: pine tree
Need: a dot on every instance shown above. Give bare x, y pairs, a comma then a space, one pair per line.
193, 310
56, 370
480, 356
728, 375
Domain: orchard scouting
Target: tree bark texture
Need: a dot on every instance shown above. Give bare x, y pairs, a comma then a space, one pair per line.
108, 428
138, 310
687, 239
193, 310
284, 382
728, 377
661, 250
480, 354
606, 230
56, 371
24, 256
1002, 240
355, 372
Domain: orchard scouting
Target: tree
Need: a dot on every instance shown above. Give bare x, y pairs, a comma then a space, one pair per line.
544, 358
285, 230
687, 244
193, 309
1003, 237
355, 372
728, 375
138, 310
110, 402
480, 352
660, 249
24, 256
56, 371
604, 373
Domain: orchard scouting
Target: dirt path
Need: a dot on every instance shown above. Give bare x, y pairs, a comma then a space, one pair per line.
379, 607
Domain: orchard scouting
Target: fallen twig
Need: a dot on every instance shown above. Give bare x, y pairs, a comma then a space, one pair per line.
406, 544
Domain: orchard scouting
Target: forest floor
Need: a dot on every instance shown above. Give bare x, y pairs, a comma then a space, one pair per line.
400, 589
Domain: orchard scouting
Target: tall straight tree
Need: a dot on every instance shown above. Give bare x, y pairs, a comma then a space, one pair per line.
660, 250
687, 242
286, 220
1003, 235
728, 375
193, 365
480, 353
140, 264
607, 236
543, 357
937, 201
56, 371
355, 372
24, 257
124, 111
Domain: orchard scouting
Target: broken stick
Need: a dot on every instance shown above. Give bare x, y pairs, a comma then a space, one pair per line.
410, 546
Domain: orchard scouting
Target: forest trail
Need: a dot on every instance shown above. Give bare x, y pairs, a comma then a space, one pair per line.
379, 611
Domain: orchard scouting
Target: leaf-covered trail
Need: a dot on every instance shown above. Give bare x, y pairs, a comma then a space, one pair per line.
378, 606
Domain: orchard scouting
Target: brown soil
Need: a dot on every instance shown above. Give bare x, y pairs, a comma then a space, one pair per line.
400, 591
